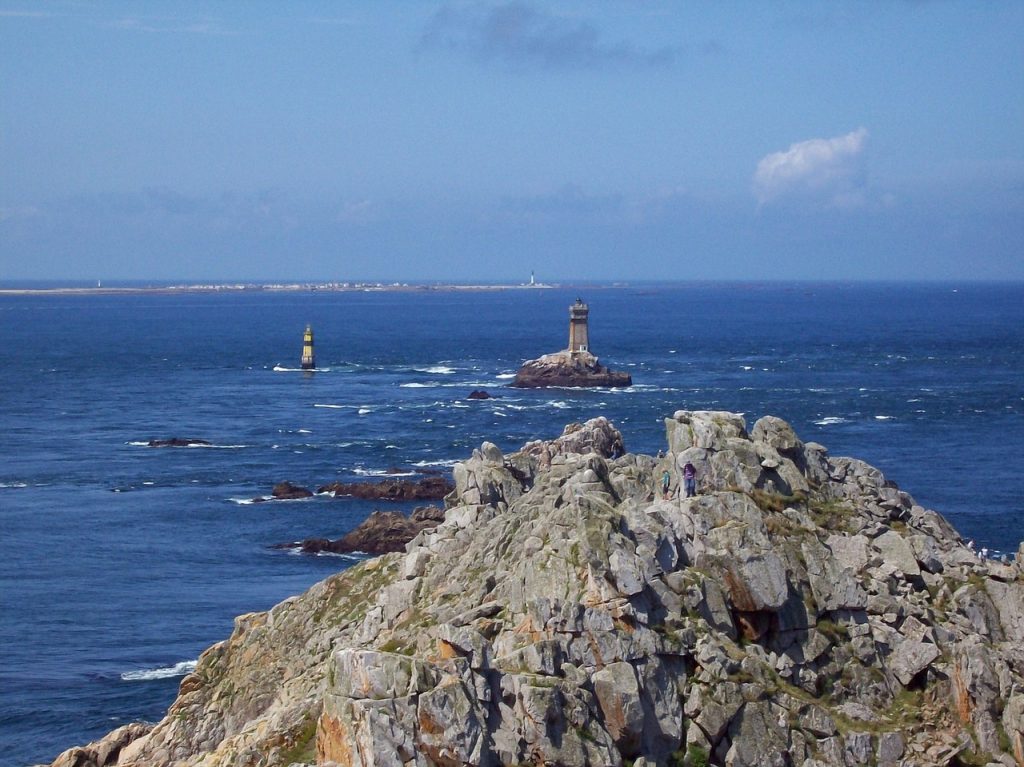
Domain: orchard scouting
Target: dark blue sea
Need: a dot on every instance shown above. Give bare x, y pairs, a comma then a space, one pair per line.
122, 562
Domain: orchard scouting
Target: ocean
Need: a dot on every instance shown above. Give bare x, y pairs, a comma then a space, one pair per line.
122, 562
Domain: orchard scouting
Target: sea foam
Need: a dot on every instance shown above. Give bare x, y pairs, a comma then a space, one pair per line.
163, 672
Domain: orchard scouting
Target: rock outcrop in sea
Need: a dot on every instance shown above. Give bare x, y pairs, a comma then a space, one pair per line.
382, 532
801, 610
566, 368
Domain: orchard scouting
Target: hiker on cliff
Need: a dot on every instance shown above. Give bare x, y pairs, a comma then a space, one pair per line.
666, 482
690, 479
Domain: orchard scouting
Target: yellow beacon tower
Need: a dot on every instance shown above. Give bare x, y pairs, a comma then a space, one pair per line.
308, 360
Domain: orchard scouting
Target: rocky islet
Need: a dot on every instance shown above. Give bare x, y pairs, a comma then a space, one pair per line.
801, 610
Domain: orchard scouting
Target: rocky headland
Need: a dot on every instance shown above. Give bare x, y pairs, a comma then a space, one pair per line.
568, 368
801, 610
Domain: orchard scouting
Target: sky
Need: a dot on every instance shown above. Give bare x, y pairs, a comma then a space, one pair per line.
480, 141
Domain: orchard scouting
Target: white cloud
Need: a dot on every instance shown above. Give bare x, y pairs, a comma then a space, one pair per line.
357, 212
825, 170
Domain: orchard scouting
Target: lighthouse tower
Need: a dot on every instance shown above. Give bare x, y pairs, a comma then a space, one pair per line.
308, 360
579, 340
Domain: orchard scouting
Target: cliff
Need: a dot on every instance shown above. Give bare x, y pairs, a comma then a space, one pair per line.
801, 610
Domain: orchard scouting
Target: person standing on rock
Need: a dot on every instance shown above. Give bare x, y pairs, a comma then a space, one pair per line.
690, 479
666, 483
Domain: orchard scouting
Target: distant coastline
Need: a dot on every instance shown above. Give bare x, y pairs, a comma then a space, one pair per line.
290, 287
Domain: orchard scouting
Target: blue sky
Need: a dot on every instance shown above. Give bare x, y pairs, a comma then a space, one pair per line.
470, 141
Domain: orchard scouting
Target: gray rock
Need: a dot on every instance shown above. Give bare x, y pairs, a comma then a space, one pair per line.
895, 550
910, 658
834, 587
850, 551
859, 749
618, 695
891, 747
757, 739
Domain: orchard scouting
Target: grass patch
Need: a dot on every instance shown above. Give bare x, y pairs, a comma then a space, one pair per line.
775, 501
303, 744
835, 632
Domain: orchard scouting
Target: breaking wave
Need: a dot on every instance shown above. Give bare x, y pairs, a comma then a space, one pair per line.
831, 420
381, 473
165, 672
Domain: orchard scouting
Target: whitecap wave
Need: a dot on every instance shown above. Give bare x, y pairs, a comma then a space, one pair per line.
163, 672
436, 370
381, 472
13, 484
283, 369
353, 557
332, 407
140, 443
423, 464
831, 420
505, 375
558, 404
746, 367
884, 417
364, 410
415, 385
243, 501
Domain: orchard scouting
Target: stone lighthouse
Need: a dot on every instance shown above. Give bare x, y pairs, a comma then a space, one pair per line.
579, 340
308, 360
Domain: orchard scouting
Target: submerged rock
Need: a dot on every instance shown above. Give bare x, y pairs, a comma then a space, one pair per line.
565, 368
479, 394
286, 491
805, 612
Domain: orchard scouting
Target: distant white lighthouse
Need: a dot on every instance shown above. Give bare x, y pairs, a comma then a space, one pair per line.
532, 280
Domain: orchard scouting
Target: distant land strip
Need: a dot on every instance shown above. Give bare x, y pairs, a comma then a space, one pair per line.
267, 288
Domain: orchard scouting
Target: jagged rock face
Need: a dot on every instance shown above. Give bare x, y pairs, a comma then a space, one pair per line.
801, 610
575, 369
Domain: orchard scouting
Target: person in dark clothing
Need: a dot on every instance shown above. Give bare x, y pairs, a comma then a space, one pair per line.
690, 479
